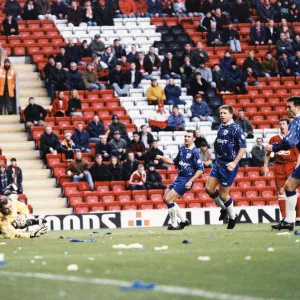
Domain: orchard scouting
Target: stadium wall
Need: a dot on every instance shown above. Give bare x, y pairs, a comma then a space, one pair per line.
158, 218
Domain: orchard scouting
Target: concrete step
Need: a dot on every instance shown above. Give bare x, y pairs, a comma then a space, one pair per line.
59, 202
30, 84
38, 172
30, 164
29, 75
18, 145
24, 67
11, 127
43, 194
37, 184
13, 137
9, 119
41, 92
53, 211
28, 155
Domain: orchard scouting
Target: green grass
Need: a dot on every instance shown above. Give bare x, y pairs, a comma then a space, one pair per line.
266, 275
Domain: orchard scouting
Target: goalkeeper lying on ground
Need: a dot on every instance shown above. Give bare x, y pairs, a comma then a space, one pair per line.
14, 215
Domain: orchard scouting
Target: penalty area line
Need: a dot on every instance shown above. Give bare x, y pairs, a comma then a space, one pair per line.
176, 290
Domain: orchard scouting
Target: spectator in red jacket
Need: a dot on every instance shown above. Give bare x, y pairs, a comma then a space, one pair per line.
137, 146
141, 8
59, 105
128, 8
138, 178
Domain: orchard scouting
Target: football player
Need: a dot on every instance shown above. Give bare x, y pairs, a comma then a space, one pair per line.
14, 215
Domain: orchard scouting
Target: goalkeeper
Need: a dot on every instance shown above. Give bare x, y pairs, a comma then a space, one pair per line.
14, 215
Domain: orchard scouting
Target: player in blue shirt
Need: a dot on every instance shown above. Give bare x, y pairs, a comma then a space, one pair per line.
230, 146
190, 167
291, 140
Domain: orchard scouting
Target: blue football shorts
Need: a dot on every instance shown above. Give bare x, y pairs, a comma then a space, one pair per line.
220, 171
179, 185
296, 173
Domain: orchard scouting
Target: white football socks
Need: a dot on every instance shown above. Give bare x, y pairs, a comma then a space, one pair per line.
290, 205
179, 213
230, 208
173, 216
219, 202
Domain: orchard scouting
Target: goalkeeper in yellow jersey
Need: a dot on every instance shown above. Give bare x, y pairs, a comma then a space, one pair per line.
14, 215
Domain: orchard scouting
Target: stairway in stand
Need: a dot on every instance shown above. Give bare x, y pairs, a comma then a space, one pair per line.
38, 185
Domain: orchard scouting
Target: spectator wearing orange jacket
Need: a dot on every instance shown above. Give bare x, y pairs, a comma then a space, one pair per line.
142, 8
128, 8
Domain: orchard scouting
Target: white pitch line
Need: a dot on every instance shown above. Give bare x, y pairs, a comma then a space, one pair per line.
176, 290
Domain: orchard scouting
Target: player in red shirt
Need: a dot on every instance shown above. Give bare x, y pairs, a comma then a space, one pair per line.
285, 163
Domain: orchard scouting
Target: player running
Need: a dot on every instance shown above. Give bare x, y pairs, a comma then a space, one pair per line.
230, 146
291, 140
285, 163
190, 167
14, 215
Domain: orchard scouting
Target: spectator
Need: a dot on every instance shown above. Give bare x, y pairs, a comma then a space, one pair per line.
73, 52
179, 9
245, 125
49, 69
49, 143
194, 8
129, 166
214, 37
283, 46
140, 66
226, 61
59, 9
88, 14
128, 8
104, 148
269, 65
74, 105
114, 7
151, 61
100, 171
297, 64
173, 93
68, 147
141, 8
266, 11
221, 19
209, 5
286, 29
116, 125
3, 179
250, 77
155, 93
115, 168
95, 129
58, 80
232, 38
34, 114
188, 52
85, 49
79, 170
97, 46
257, 34
7, 88
81, 139
118, 49
119, 145
235, 79
220, 78
206, 156
99, 65
104, 14
199, 54
271, 33
74, 16
154, 180
198, 85
253, 63
13, 8
170, 67
160, 120
285, 66
240, 12
137, 146
200, 140
187, 71
146, 137
15, 175
176, 120
293, 13
167, 7
296, 43
44, 10
90, 78
206, 21
63, 58
30, 11
133, 55
206, 74
117, 81
151, 154
125, 65
133, 77
154, 8
108, 58
258, 153
74, 80
137, 179
10, 26
200, 110
59, 105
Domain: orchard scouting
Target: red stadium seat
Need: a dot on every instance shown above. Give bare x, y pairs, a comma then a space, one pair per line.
81, 208
91, 197
194, 204
123, 196
139, 196
76, 198
117, 186
188, 196
113, 206
53, 159
259, 182
155, 195
102, 187
146, 205
251, 192
257, 201
131, 205
83, 186
108, 197
97, 207
70, 188
242, 202
243, 182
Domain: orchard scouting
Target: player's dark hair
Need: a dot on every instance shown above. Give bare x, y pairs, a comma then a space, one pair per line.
284, 120
295, 100
226, 107
3, 201
192, 131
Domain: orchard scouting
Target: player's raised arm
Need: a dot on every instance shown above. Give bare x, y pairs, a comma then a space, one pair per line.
167, 160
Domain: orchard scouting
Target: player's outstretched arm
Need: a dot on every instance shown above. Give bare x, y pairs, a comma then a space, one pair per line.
266, 163
197, 175
167, 160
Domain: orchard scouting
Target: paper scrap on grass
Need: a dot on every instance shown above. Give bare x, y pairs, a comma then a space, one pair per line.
72, 267
204, 258
270, 249
139, 285
248, 257
130, 246
284, 233
38, 257
297, 241
161, 248
91, 258
3, 243
83, 241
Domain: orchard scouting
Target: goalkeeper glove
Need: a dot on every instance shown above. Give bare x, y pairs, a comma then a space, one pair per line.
38, 232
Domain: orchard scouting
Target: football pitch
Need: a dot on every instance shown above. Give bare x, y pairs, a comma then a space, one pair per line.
249, 262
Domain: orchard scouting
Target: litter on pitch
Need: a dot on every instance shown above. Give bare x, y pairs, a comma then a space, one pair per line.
204, 258
38, 257
72, 267
94, 233
139, 285
284, 233
296, 232
131, 246
83, 241
107, 233
271, 249
3, 243
297, 241
161, 248
186, 242
2, 261
248, 257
